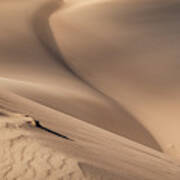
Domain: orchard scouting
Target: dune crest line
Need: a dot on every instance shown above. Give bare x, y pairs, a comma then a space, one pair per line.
43, 30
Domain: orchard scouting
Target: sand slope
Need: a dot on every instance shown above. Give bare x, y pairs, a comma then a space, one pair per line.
107, 155
128, 51
32, 67
55, 68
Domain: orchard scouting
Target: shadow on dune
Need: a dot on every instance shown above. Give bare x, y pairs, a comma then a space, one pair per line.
44, 34
131, 127
3, 114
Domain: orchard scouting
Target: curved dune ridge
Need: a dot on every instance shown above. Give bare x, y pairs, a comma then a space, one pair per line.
94, 76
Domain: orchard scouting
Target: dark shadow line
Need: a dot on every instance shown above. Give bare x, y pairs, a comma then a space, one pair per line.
38, 125
3, 114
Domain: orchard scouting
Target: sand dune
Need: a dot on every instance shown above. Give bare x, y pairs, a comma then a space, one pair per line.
65, 91
96, 73
128, 51
108, 155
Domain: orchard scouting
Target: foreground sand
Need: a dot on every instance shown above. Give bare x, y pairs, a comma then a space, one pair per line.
91, 153
22, 157
71, 78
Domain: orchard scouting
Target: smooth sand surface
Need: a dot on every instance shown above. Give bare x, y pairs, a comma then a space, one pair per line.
95, 72
129, 52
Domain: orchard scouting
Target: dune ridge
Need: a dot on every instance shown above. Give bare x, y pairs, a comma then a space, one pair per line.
82, 107
93, 141
138, 45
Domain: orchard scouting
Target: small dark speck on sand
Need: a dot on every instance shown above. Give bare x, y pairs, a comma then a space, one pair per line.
3, 114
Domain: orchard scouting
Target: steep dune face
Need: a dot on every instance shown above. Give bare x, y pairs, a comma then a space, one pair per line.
32, 66
129, 51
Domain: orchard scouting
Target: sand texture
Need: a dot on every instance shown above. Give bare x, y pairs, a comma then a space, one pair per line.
89, 90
